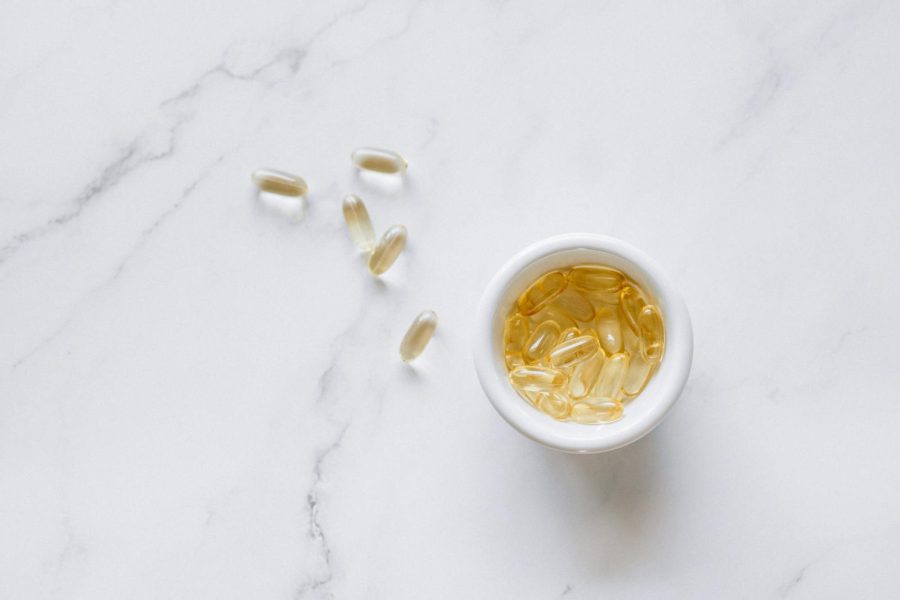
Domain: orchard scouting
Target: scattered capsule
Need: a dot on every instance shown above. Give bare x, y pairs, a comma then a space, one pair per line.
515, 334
541, 292
605, 411
554, 404
609, 332
609, 385
637, 376
630, 304
279, 182
358, 222
387, 249
376, 159
653, 335
542, 340
575, 305
533, 378
596, 279
573, 351
418, 335
585, 376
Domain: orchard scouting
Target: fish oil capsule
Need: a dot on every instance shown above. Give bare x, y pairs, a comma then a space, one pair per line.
541, 292
575, 305
637, 376
279, 182
544, 337
609, 331
585, 376
358, 222
379, 160
609, 385
568, 334
553, 313
387, 249
515, 334
573, 351
600, 412
533, 378
653, 335
418, 335
631, 302
554, 404
596, 279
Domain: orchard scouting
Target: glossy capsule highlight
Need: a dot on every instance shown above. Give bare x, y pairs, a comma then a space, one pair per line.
534, 378
388, 248
544, 337
279, 182
378, 160
653, 335
418, 335
541, 292
573, 351
358, 222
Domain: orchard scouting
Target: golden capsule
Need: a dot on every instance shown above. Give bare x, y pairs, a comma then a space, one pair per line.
609, 385
653, 334
568, 334
554, 404
418, 335
358, 222
279, 182
553, 313
544, 337
631, 302
637, 376
376, 159
387, 249
585, 376
541, 292
573, 351
533, 378
606, 411
596, 279
515, 334
609, 331
575, 305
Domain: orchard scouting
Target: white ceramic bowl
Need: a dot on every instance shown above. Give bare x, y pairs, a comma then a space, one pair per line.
644, 412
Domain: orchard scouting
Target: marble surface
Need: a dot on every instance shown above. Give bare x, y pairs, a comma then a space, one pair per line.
200, 393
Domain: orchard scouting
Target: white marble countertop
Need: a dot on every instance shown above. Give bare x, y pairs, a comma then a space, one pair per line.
200, 396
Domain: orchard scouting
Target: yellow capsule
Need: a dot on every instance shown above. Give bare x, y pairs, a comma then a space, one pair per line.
418, 335
575, 305
515, 334
376, 159
609, 331
542, 340
553, 313
358, 222
653, 334
568, 334
279, 182
637, 376
585, 376
631, 343
596, 279
573, 351
609, 385
387, 249
554, 404
605, 411
534, 378
541, 292
631, 302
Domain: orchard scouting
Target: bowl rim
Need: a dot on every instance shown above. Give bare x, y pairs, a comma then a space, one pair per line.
673, 371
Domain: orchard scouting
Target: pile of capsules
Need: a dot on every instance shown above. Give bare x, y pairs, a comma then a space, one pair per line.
582, 342
384, 252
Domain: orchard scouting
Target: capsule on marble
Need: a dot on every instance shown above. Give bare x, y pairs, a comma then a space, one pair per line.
630, 304
575, 305
544, 337
637, 376
418, 335
609, 385
585, 376
609, 331
534, 378
387, 249
541, 292
653, 334
515, 334
358, 222
573, 351
554, 404
279, 182
379, 160
601, 411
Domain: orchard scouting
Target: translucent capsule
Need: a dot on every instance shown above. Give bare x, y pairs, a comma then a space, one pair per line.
376, 159
609, 331
418, 335
596, 279
533, 378
653, 335
637, 376
554, 404
573, 351
358, 222
568, 334
541, 292
631, 302
585, 376
605, 411
553, 313
544, 337
609, 385
575, 305
279, 182
515, 334
387, 249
